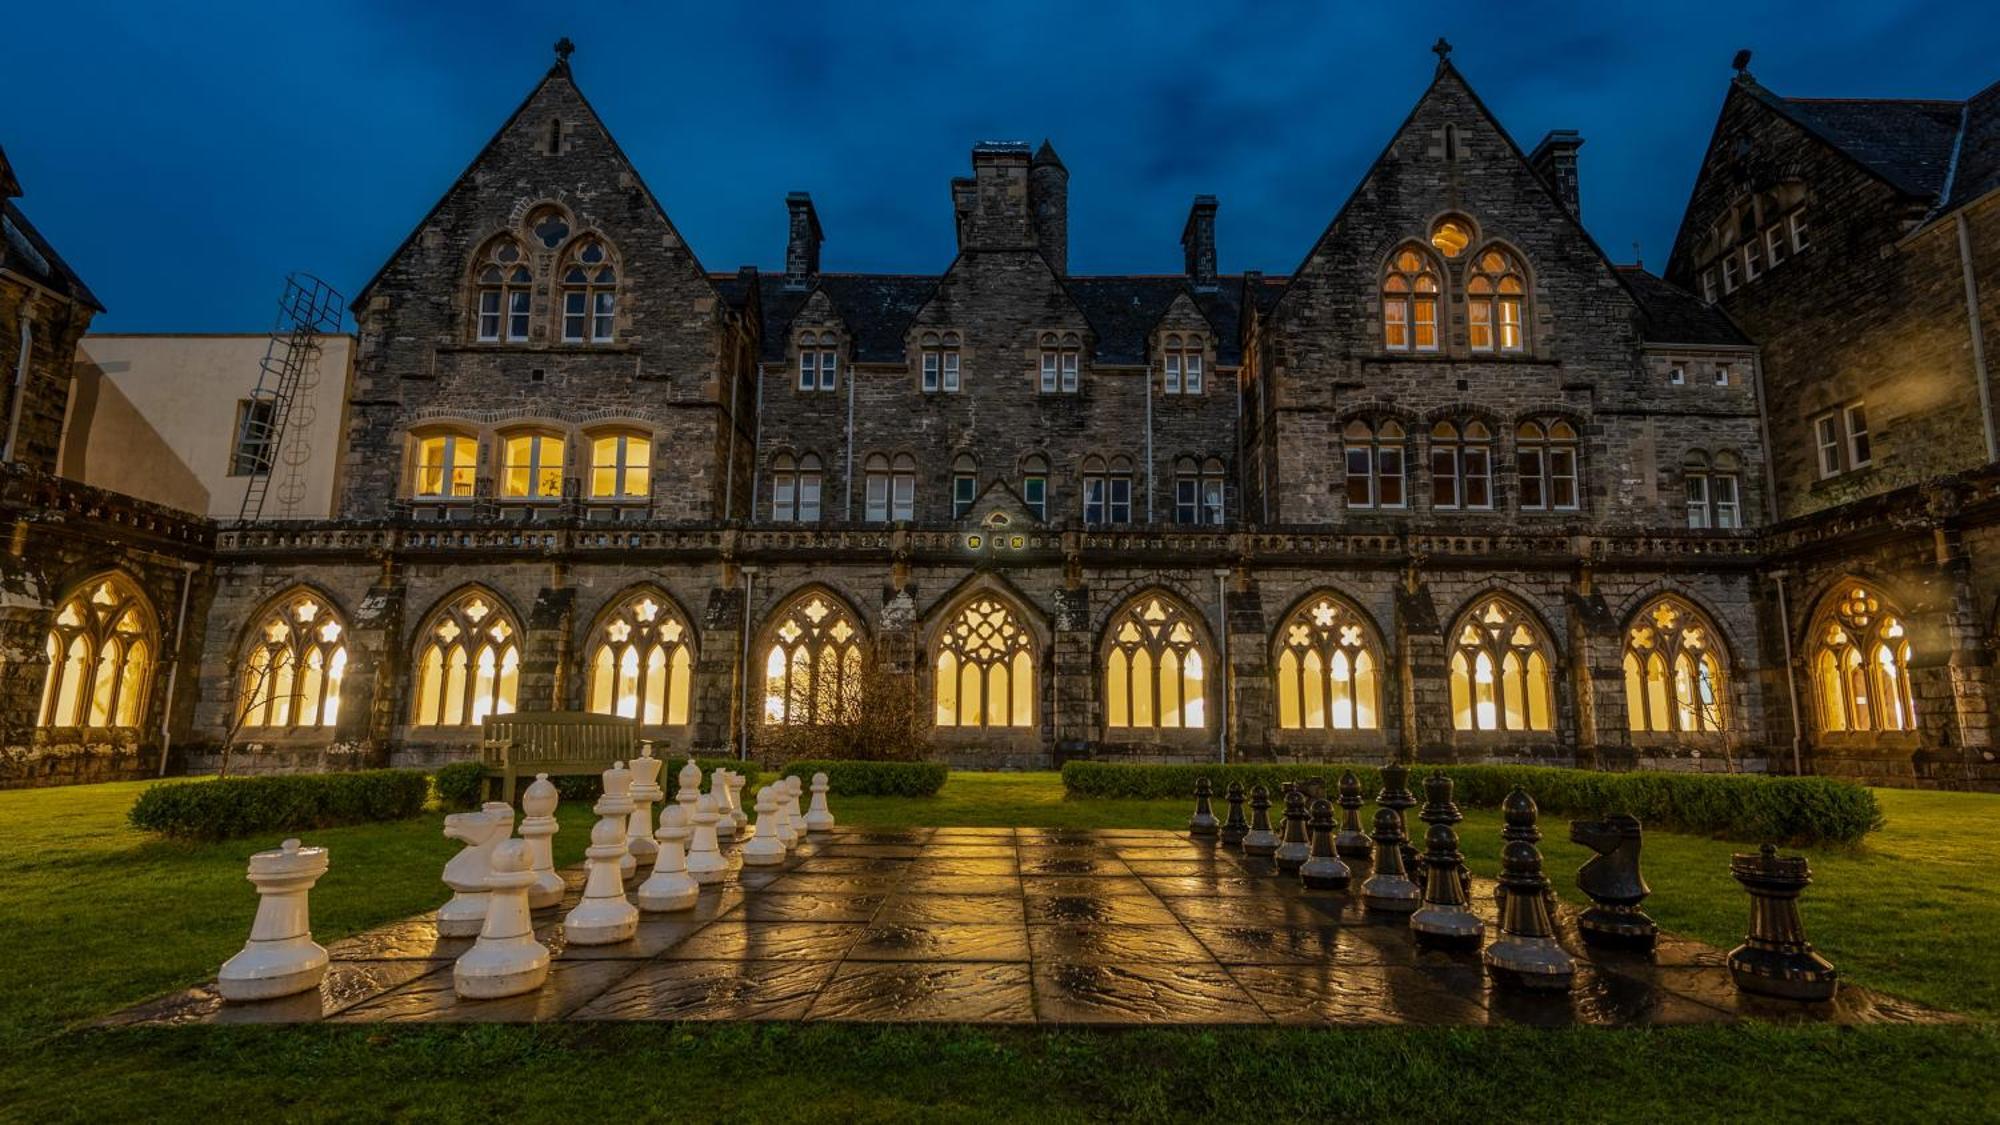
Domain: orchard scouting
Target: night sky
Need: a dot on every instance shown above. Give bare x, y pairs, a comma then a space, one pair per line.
185, 157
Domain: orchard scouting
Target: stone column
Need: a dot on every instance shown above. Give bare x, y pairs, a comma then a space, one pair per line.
717, 697
1596, 678
1249, 672
1950, 677
374, 693
1421, 705
1075, 711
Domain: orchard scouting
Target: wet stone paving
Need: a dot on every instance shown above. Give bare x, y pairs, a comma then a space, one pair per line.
1019, 926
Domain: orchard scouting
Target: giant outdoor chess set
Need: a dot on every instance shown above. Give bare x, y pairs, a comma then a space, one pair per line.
1233, 921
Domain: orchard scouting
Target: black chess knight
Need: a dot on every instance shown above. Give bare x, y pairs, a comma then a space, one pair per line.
1611, 878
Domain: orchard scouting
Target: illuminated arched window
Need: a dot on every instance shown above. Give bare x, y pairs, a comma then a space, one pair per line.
1493, 301
447, 463
985, 666
468, 662
1410, 303
1674, 671
531, 464
813, 664
295, 660
1861, 664
1329, 669
505, 292
101, 652
1155, 667
1500, 670
640, 661
589, 294
621, 463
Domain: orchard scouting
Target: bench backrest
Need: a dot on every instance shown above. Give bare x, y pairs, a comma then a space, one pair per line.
559, 736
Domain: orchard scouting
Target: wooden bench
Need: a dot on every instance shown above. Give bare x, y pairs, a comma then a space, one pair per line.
557, 743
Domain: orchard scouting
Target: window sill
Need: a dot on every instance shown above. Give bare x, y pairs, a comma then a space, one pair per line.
1844, 478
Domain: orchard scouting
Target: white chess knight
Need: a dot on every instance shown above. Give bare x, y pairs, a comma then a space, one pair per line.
725, 813
669, 887
765, 848
605, 916
704, 859
281, 957
465, 873
794, 787
645, 790
506, 960
736, 802
818, 818
539, 801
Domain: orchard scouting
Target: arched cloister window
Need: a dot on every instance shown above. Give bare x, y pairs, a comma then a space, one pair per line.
813, 665
1674, 670
985, 665
589, 294
295, 660
1500, 670
1461, 465
1329, 668
468, 662
1861, 664
101, 657
1375, 464
1155, 667
641, 660
447, 463
1545, 465
1493, 301
1410, 302
505, 292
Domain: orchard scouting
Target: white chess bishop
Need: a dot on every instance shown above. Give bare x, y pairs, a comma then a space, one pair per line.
605, 916
765, 848
465, 873
669, 887
736, 812
645, 790
538, 827
818, 819
281, 957
506, 960
704, 860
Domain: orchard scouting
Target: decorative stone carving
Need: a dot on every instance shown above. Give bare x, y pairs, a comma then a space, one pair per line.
538, 827
818, 819
1351, 842
669, 887
280, 958
1295, 846
1203, 822
1261, 841
1323, 870
1612, 880
506, 960
1237, 828
1446, 920
465, 873
1776, 959
1389, 889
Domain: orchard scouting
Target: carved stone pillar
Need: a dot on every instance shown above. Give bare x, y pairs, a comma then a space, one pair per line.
1422, 682
374, 692
719, 672
1248, 681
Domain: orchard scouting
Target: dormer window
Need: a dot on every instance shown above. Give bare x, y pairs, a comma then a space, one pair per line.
940, 362
505, 294
1062, 357
590, 295
819, 361
1181, 365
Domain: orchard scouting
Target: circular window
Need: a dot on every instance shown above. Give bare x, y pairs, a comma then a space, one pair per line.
1451, 238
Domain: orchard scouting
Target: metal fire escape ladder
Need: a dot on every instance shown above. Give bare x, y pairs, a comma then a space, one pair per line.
283, 400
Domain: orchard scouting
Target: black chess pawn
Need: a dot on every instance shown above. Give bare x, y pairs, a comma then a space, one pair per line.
1260, 841
1389, 888
1439, 808
1776, 959
1236, 827
1527, 955
1612, 880
1203, 822
1446, 920
1295, 846
1352, 842
1395, 794
1323, 870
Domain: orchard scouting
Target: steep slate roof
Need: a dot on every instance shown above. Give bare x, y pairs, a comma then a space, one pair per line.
876, 308
1907, 142
24, 251
1123, 310
1976, 169
1672, 315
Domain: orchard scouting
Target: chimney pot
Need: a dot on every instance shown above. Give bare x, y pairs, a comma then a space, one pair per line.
1554, 160
802, 247
1198, 244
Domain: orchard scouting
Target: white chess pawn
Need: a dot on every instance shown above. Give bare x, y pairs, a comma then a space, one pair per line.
618, 791
797, 819
704, 859
465, 873
604, 916
690, 790
765, 849
539, 801
506, 960
645, 790
725, 816
818, 819
778, 823
742, 818
669, 887
281, 957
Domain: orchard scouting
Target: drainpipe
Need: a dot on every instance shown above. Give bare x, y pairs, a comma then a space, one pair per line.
174, 669
1978, 340
21, 376
1222, 697
847, 488
756, 449
1791, 680
729, 464
1149, 446
749, 584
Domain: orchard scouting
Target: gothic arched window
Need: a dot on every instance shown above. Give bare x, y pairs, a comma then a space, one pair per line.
505, 292
1155, 667
295, 660
1493, 302
1329, 668
468, 662
1410, 303
1674, 670
813, 665
641, 661
1861, 664
1500, 670
589, 294
101, 650
985, 665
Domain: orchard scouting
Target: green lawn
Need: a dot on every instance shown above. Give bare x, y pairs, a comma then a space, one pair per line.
96, 916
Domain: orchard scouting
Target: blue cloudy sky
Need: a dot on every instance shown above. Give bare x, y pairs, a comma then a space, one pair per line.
185, 157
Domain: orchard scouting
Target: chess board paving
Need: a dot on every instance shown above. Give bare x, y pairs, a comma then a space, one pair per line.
1028, 926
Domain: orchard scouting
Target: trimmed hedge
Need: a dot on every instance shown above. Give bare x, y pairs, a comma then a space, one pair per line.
872, 779
459, 785
1751, 807
241, 806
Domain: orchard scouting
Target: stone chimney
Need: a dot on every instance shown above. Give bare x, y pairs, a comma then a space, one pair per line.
1000, 215
1554, 160
961, 207
1048, 199
802, 248
1198, 244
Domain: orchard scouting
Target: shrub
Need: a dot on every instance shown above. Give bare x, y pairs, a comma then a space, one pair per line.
1740, 806
240, 806
872, 779
459, 785
883, 722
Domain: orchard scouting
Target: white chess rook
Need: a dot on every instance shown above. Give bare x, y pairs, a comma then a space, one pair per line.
645, 790
605, 916
818, 819
538, 827
669, 887
764, 848
465, 873
281, 957
725, 815
704, 860
506, 960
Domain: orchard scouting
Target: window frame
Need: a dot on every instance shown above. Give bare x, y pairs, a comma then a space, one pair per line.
621, 467
1556, 458
939, 362
1384, 458
538, 439
596, 322
448, 467
1407, 271
819, 362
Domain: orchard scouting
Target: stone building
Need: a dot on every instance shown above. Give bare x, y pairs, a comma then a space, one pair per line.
1455, 488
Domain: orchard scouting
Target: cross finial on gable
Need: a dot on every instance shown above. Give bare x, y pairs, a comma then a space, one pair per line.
1442, 49
564, 49
1741, 63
